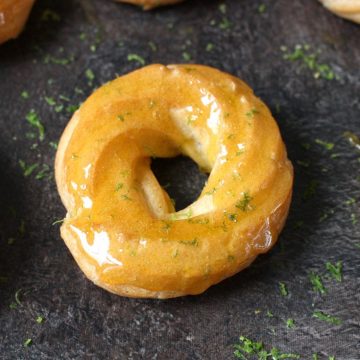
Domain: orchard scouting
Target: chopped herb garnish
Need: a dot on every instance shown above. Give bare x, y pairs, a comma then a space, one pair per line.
310, 189
27, 169
325, 317
327, 145
119, 186
335, 270
250, 347
50, 101
53, 144
209, 47
232, 217
193, 242
290, 323
301, 53
269, 314
186, 56
316, 282
222, 8
244, 203
315, 357
353, 218
136, 58
225, 24
17, 296
261, 8
125, 197
34, 120
152, 46
283, 289
58, 61
27, 342
40, 319
58, 222
89, 75
25, 95
252, 112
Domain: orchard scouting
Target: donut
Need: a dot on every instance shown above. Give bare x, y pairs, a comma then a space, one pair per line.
348, 9
121, 226
13, 16
150, 4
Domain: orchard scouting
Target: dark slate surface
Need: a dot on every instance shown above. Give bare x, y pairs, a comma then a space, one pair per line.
85, 322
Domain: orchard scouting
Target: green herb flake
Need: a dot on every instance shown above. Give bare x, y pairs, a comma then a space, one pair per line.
261, 8
186, 56
89, 75
193, 242
232, 217
51, 101
315, 357
222, 8
302, 54
25, 94
327, 145
28, 342
251, 113
225, 24
283, 289
136, 58
250, 347
244, 203
325, 317
335, 270
209, 47
40, 319
119, 186
27, 169
34, 120
310, 189
152, 46
316, 282
290, 323
269, 314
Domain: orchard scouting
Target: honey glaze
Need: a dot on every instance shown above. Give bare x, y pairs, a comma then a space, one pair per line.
121, 226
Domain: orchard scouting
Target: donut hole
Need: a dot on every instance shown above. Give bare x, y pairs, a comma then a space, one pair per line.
181, 178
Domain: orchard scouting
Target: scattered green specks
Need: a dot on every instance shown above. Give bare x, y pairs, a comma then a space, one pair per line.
137, 58
244, 203
327, 145
283, 289
90, 76
325, 317
309, 59
316, 282
335, 270
34, 120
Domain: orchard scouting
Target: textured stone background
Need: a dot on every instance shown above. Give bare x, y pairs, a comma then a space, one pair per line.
85, 322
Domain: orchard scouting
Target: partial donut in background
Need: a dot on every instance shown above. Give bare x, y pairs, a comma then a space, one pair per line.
348, 9
13, 16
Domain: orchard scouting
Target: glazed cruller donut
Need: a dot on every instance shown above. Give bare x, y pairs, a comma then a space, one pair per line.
121, 226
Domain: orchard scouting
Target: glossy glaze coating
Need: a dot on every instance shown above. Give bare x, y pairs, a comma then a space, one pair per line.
150, 4
13, 16
121, 226
348, 9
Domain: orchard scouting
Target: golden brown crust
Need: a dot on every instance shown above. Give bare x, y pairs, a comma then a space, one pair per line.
13, 16
131, 242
